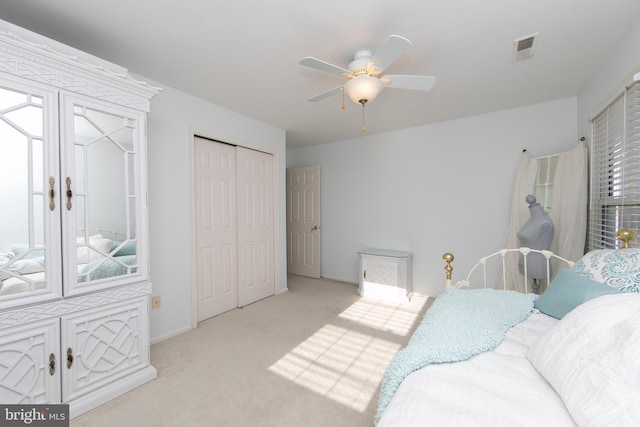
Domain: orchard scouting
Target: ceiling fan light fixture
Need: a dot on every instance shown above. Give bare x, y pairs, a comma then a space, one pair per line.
365, 82
363, 87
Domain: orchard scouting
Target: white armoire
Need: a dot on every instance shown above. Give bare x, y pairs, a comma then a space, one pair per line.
74, 274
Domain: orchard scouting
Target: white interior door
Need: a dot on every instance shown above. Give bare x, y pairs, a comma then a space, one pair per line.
254, 175
215, 216
303, 221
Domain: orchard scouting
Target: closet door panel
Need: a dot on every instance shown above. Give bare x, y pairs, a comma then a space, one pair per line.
215, 215
255, 226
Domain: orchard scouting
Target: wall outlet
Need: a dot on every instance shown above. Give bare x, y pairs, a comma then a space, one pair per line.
155, 302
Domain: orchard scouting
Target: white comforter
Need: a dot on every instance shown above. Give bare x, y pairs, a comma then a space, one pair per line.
495, 388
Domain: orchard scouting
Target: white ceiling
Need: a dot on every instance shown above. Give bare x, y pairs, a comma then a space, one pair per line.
243, 55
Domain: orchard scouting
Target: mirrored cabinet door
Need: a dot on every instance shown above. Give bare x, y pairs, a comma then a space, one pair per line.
102, 204
29, 189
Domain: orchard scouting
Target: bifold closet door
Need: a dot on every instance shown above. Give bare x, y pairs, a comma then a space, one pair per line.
234, 226
255, 225
216, 233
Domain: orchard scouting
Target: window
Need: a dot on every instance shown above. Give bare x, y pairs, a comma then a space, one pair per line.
615, 170
545, 176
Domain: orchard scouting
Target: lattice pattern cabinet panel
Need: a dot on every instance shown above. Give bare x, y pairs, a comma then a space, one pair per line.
103, 346
29, 363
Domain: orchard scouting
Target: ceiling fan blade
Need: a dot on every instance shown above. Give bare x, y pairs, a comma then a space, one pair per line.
325, 94
389, 51
323, 66
423, 83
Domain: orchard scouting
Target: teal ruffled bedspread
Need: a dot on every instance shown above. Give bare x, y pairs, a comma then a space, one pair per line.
458, 325
108, 267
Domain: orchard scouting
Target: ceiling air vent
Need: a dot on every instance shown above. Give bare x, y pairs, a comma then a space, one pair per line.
524, 47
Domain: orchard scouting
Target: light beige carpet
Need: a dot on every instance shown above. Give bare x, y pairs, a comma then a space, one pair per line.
313, 356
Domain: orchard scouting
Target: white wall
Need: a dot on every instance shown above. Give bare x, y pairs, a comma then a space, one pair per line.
430, 189
609, 80
174, 117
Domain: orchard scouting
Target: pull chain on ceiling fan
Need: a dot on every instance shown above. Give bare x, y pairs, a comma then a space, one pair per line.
365, 82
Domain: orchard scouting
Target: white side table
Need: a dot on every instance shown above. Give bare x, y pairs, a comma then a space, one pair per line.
385, 274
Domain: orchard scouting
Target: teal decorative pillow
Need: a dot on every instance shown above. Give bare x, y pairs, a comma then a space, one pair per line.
20, 249
128, 248
619, 268
567, 291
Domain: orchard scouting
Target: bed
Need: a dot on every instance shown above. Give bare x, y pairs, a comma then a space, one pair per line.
487, 357
106, 254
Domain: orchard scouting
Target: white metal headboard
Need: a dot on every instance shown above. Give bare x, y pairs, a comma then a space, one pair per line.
483, 262
109, 234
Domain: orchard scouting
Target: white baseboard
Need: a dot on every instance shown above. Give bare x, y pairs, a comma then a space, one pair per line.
335, 279
170, 335
110, 391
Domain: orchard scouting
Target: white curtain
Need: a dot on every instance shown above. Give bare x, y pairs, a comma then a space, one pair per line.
569, 208
522, 185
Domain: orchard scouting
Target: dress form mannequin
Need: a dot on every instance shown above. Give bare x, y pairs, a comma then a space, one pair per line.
536, 233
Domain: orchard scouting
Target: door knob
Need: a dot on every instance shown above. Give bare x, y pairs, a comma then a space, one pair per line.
315, 227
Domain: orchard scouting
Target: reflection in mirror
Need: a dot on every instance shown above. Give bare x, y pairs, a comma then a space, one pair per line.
23, 192
105, 194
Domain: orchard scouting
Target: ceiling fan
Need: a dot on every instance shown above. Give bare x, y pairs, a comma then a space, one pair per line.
365, 82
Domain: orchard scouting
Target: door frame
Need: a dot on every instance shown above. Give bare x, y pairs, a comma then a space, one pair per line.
193, 133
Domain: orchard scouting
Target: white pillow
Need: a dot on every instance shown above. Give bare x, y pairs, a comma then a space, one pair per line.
22, 267
592, 359
86, 254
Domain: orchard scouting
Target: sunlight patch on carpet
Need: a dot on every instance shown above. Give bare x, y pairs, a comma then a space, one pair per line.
394, 318
345, 361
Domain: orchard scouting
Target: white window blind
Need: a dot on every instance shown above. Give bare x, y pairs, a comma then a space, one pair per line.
615, 170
